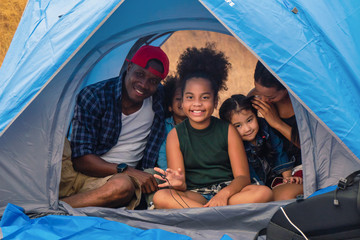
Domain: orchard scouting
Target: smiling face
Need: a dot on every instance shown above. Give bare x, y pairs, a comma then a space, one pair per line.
247, 125
270, 94
198, 102
176, 107
140, 83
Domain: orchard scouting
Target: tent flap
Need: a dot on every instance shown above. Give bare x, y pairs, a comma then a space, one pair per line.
16, 225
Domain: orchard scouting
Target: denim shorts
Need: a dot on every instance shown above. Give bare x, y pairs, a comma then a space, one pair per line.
208, 196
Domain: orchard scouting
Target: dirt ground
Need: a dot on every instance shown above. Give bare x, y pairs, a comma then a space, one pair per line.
10, 14
243, 62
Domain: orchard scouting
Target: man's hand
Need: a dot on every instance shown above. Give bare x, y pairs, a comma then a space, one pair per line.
147, 180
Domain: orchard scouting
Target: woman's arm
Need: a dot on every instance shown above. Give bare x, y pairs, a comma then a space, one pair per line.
240, 169
271, 115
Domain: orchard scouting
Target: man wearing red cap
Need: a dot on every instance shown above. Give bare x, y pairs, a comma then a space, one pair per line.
118, 128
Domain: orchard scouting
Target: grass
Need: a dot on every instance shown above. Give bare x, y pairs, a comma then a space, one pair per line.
10, 14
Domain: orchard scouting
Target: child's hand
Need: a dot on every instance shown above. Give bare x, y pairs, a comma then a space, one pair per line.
218, 200
172, 178
293, 180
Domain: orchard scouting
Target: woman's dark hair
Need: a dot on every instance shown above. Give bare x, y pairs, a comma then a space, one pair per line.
237, 103
204, 62
265, 78
171, 83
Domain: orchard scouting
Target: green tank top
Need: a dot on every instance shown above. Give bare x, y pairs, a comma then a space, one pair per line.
205, 153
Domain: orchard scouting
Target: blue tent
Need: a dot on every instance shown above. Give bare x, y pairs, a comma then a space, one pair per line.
61, 46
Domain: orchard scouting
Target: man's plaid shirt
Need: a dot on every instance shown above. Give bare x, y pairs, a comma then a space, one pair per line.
97, 121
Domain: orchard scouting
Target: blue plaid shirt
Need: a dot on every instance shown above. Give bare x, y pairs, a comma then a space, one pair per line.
97, 121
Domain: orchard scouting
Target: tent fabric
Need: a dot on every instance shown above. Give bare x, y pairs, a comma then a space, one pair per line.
16, 225
313, 49
61, 46
314, 53
237, 221
41, 37
41, 127
231, 222
325, 161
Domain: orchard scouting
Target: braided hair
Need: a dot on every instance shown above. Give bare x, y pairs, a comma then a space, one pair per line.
235, 104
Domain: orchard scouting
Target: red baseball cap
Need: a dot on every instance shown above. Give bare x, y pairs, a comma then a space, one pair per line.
147, 53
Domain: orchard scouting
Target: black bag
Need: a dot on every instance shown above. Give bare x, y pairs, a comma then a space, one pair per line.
332, 215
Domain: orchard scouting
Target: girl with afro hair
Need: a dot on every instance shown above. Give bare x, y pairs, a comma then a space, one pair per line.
207, 164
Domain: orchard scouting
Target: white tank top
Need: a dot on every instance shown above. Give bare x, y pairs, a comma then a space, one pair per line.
133, 137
